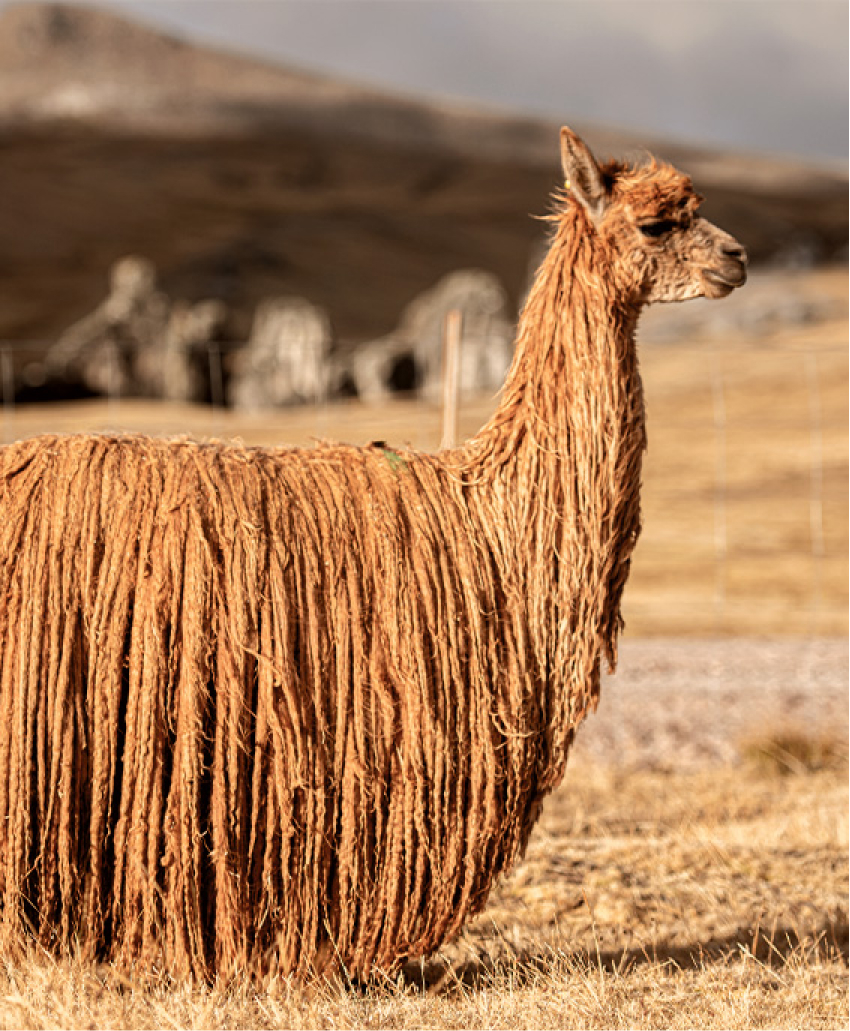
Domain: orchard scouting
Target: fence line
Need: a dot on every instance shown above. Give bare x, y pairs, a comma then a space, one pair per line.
721, 536
816, 489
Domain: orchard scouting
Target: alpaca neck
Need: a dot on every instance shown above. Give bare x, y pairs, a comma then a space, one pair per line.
563, 453
575, 344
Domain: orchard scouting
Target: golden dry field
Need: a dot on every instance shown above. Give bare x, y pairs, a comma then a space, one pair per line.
655, 893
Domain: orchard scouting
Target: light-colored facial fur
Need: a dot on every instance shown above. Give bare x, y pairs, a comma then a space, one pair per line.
646, 218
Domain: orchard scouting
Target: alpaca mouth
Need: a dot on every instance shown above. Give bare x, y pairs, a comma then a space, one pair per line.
722, 283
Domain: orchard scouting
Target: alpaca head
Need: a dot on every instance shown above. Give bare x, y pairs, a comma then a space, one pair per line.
646, 219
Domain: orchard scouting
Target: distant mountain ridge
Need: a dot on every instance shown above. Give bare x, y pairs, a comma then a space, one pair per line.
71, 61
76, 62
239, 179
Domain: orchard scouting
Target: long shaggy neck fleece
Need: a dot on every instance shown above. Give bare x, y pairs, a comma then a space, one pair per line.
267, 710
563, 456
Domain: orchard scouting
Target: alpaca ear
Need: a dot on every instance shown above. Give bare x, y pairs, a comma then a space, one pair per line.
582, 176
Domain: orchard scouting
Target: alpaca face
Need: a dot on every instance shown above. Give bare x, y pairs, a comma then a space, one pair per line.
663, 250
657, 247
676, 259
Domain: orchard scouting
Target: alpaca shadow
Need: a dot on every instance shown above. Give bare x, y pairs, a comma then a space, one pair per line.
772, 948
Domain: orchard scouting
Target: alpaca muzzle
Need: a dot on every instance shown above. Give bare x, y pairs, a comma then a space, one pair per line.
730, 271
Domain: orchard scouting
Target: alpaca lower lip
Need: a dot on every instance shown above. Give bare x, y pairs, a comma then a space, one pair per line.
729, 280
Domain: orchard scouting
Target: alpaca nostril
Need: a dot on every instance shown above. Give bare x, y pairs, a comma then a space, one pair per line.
736, 251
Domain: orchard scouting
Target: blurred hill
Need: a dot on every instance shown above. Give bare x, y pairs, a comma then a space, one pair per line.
241, 179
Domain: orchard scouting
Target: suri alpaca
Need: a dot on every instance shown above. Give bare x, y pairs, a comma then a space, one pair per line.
277, 710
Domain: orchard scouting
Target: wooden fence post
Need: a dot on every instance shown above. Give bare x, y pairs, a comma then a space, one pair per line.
451, 375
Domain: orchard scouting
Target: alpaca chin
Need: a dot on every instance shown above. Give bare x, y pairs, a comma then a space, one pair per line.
718, 285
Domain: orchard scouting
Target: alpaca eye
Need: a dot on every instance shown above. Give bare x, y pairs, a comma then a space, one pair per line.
659, 228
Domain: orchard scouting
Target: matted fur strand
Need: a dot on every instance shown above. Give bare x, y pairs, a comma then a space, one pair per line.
268, 710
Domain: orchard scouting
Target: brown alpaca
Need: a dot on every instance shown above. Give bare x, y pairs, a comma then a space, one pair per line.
268, 709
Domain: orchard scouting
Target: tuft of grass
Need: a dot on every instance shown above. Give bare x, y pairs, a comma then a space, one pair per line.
789, 750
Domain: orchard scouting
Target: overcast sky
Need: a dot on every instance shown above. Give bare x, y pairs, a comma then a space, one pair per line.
764, 75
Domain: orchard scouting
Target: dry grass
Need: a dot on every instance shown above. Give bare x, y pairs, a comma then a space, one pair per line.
790, 750
739, 992
648, 900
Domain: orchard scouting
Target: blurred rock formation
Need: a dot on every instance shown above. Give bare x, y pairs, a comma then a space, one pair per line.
184, 363
286, 359
137, 342
486, 340
101, 350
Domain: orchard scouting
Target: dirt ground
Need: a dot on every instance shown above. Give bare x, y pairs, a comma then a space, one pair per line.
684, 705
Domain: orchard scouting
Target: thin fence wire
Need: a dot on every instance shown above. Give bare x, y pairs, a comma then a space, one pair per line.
7, 376
217, 399
816, 483
721, 534
113, 393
